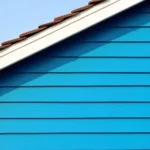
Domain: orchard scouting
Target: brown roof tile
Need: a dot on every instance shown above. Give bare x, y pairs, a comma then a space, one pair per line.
42, 27
13, 41
5, 46
78, 10
95, 1
61, 18
29, 33
47, 25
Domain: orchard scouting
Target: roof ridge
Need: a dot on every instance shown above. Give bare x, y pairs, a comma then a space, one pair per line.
42, 27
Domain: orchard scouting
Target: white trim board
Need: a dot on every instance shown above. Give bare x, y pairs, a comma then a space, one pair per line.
57, 33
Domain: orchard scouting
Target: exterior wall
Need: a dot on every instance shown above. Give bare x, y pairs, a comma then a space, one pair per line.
89, 92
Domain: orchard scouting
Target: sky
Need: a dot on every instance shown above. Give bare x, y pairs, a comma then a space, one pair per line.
18, 16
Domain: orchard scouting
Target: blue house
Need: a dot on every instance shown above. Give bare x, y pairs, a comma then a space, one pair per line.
86, 89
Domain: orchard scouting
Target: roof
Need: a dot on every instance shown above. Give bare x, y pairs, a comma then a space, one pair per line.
61, 28
42, 27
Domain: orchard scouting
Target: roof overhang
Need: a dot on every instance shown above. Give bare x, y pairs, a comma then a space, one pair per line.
70, 27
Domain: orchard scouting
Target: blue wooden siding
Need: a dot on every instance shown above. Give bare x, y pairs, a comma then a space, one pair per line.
89, 92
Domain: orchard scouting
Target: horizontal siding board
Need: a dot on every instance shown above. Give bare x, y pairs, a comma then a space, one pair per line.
83, 80
135, 19
76, 94
122, 34
137, 35
93, 65
100, 50
47, 126
105, 65
144, 7
73, 110
109, 50
136, 16
75, 142
79, 80
88, 65
116, 50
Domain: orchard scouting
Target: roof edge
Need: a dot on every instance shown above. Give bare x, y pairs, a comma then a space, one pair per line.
70, 27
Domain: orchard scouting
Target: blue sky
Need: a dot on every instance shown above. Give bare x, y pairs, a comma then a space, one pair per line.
19, 16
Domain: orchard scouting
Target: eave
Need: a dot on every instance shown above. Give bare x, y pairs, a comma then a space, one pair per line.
61, 31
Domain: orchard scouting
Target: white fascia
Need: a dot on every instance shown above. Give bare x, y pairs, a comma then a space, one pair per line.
70, 27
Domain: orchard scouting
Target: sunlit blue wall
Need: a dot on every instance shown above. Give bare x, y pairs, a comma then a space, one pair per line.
89, 92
